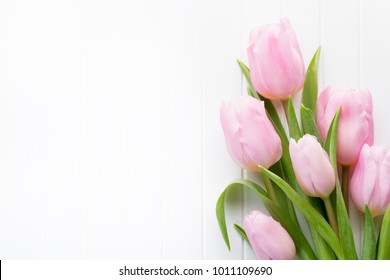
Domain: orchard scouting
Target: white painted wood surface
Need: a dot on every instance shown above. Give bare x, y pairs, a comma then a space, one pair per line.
110, 142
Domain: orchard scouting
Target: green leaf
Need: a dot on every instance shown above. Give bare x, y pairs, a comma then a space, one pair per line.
293, 125
286, 159
324, 252
312, 216
242, 232
245, 70
252, 94
329, 136
283, 202
304, 251
220, 208
274, 118
277, 168
369, 241
310, 87
309, 125
287, 170
345, 229
384, 240
377, 242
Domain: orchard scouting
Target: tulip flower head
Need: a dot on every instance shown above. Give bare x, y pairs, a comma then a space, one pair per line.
275, 60
370, 182
312, 167
268, 238
356, 125
250, 136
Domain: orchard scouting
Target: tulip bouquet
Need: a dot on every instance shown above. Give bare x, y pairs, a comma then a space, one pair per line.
314, 166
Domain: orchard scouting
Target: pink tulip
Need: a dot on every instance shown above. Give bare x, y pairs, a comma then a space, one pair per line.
312, 167
370, 182
356, 126
268, 238
250, 136
275, 60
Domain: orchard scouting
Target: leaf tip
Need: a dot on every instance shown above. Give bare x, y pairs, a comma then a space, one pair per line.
227, 244
338, 112
261, 168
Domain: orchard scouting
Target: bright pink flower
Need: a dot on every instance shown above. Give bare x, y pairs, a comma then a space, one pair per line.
356, 126
312, 167
268, 238
370, 182
250, 136
275, 60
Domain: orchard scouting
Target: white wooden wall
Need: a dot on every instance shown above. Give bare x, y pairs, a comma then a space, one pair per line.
110, 142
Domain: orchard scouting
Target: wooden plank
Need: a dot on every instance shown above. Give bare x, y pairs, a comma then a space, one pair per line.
143, 121
102, 105
62, 130
221, 81
182, 196
3, 56
339, 41
24, 131
374, 60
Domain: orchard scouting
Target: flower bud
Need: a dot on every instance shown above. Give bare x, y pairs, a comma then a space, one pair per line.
268, 238
356, 126
250, 136
275, 60
312, 167
370, 182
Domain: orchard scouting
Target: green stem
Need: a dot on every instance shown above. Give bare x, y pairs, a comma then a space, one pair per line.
331, 215
345, 186
285, 107
377, 224
269, 188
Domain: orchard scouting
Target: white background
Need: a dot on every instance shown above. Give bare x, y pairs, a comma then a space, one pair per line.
110, 142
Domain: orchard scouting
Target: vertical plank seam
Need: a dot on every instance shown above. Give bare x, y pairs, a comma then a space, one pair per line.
203, 66
280, 8
3, 126
359, 42
43, 128
320, 24
280, 16
244, 203
83, 126
163, 124
359, 220
123, 128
